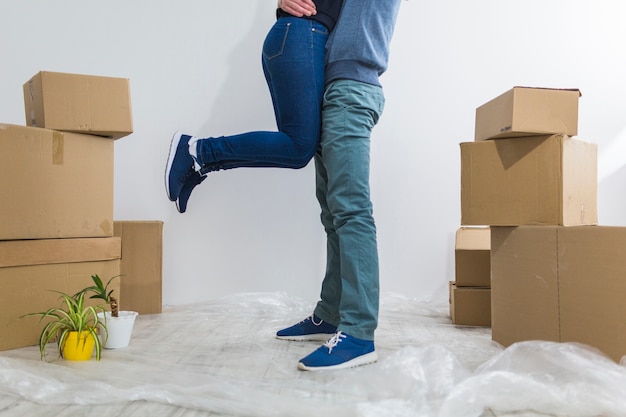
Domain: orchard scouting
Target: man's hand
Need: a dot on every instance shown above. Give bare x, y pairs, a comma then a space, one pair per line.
298, 7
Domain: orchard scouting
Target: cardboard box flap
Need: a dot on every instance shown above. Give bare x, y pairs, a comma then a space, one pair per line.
524, 284
580, 94
57, 251
560, 283
473, 238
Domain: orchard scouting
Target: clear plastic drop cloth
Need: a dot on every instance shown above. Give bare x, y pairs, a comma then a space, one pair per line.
222, 357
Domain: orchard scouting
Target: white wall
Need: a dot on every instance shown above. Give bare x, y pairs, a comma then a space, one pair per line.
195, 66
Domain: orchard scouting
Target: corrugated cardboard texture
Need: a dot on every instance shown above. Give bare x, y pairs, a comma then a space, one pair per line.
541, 180
580, 183
524, 111
524, 284
79, 103
27, 289
56, 185
142, 259
564, 284
592, 287
470, 306
56, 251
472, 257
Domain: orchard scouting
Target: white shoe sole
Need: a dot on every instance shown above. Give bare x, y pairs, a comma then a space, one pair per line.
358, 361
170, 159
318, 337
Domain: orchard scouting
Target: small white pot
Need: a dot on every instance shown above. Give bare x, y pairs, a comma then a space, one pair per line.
119, 328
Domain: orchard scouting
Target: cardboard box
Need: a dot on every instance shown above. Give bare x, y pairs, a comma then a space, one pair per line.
470, 306
524, 111
542, 180
32, 270
562, 284
55, 185
142, 259
79, 103
472, 257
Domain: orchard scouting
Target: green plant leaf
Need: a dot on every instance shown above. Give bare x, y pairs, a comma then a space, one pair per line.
73, 315
100, 290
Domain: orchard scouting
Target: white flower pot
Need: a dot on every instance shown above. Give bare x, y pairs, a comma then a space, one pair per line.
119, 328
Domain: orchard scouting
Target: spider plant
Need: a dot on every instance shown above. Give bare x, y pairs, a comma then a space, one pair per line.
72, 316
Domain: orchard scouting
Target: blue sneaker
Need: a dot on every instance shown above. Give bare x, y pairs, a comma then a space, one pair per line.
339, 352
185, 192
179, 165
311, 328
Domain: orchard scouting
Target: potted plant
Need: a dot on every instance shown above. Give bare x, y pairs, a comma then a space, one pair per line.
74, 326
119, 324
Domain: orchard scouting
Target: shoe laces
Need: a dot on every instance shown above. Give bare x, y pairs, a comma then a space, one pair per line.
312, 319
334, 341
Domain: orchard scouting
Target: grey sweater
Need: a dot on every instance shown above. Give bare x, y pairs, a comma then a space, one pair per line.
358, 48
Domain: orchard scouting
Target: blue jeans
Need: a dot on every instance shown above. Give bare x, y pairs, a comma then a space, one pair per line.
350, 289
293, 63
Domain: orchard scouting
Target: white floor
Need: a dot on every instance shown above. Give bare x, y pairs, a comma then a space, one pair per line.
221, 359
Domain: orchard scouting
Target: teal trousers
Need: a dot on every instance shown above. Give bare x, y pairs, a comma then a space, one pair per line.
349, 296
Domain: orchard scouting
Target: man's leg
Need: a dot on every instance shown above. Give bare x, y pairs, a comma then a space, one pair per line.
351, 285
351, 110
330, 297
322, 324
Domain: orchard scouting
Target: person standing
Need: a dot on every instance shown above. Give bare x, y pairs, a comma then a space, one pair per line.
347, 312
293, 61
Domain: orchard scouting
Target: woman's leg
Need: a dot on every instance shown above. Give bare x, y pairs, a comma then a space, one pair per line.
293, 63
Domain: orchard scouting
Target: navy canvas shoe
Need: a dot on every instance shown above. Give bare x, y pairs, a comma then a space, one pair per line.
179, 165
339, 352
311, 328
185, 192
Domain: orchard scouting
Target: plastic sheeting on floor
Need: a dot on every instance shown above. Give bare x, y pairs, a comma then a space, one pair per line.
222, 357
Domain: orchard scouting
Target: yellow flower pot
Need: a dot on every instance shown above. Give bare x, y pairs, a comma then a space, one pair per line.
75, 349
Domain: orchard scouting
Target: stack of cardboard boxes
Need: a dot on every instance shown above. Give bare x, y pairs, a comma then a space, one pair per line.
522, 168
56, 218
470, 292
555, 274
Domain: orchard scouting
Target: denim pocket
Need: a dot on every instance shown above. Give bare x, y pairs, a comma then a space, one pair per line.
275, 41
